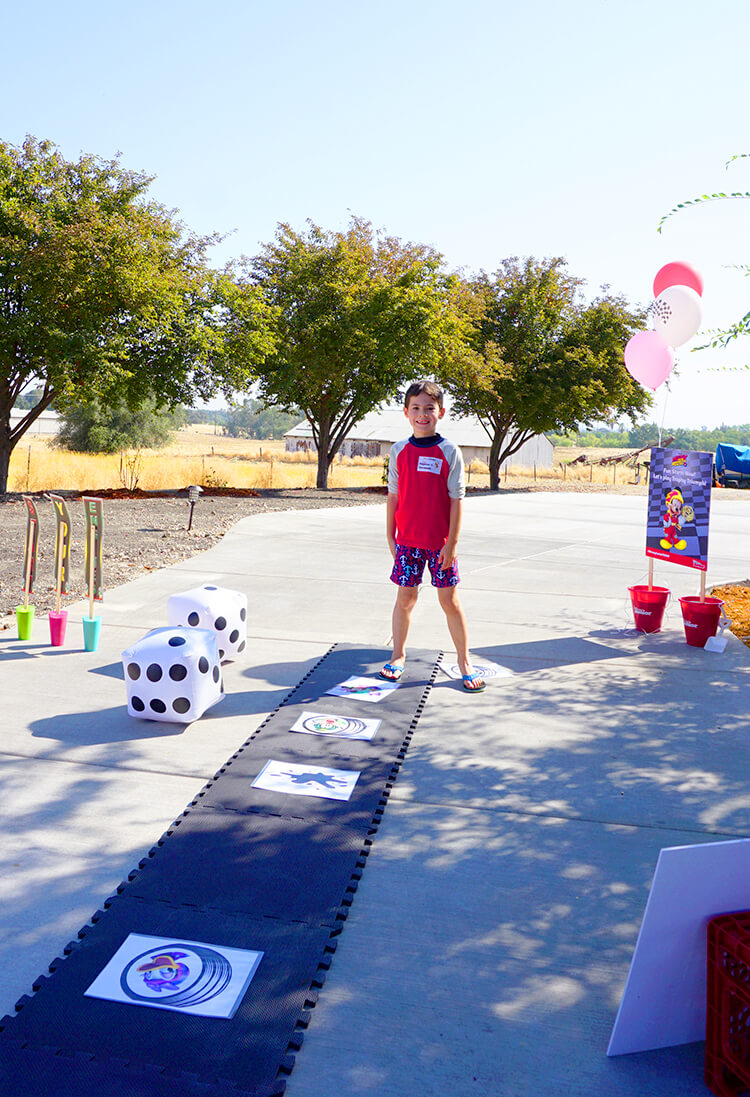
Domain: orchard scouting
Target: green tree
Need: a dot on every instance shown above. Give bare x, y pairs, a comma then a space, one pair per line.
359, 314
103, 294
97, 428
253, 419
546, 360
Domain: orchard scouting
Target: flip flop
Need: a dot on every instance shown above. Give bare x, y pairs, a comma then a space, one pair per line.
473, 678
395, 672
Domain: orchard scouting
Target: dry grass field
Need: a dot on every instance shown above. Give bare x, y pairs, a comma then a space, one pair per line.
200, 456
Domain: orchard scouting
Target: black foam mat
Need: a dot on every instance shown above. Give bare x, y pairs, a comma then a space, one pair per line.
261, 865
241, 868
45, 1072
245, 1049
234, 792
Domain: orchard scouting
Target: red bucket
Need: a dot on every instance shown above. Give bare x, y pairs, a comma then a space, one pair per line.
701, 619
648, 606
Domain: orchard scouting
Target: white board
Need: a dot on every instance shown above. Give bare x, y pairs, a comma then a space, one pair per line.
310, 780
664, 1001
338, 727
178, 975
485, 669
363, 689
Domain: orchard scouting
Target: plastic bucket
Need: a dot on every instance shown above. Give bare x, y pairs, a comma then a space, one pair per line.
57, 623
648, 607
701, 619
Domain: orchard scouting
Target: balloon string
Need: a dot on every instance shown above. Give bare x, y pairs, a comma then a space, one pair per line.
664, 412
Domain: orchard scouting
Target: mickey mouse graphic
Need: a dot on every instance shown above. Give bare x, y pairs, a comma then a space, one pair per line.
674, 517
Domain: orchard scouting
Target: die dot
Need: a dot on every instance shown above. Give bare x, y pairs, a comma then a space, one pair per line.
137, 704
154, 672
234, 636
177, 672
220, 624
175, 641
242, 646
181, 704
134, 671
193, 618
217, 674
243, 614
203, 664
158, 705
210, 588
221, 653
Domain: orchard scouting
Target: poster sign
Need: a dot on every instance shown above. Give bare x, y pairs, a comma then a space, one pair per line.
363, 689
93, 557
679, 503
296, 780
183, 976
62, 543
339, 727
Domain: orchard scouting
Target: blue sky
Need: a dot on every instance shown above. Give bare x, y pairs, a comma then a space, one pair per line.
485, 130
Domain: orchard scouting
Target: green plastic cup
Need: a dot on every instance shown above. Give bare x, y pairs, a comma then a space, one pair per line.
24, 619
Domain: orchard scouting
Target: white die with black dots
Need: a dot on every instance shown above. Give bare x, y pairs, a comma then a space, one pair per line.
224, 611
173, 674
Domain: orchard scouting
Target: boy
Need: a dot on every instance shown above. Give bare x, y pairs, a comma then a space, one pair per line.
425, 493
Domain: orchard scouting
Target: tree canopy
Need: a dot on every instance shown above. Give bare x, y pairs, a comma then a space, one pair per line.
253, 419
97, 428
359, 314
104, 294
545, 359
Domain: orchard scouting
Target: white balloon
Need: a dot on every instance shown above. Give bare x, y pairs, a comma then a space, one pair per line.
677, 313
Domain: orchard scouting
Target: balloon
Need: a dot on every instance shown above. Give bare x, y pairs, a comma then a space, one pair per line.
677, 314
649, 359
678, 274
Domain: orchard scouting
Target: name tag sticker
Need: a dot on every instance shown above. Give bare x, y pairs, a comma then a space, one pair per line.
429, 464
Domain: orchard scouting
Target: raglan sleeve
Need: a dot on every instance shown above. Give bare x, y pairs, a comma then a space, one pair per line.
393, 469
456, 476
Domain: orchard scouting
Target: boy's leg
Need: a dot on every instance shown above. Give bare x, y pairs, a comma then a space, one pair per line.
406, 600
454, 613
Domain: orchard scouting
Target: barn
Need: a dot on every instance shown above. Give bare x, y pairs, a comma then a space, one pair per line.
374, 435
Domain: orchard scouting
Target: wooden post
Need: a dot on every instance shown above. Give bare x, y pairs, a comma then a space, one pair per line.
92, 543
703, 586
27, 581
650, 573
58, 570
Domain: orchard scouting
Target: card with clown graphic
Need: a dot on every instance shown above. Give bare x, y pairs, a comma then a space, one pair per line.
178, 975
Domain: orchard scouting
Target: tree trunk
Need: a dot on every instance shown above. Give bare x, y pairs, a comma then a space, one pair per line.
494, 462
6, 448
324, 431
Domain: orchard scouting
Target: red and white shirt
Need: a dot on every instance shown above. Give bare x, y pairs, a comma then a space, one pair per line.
425, 474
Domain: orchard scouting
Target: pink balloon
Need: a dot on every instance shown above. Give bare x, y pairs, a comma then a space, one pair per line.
678, 274
649, 359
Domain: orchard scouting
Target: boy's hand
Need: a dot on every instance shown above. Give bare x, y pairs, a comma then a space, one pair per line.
392, 546
447, 557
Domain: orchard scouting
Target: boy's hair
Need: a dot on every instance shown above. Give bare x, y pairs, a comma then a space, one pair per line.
427, 388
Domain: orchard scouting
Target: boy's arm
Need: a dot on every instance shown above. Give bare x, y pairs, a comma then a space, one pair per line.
390, 527
447, 555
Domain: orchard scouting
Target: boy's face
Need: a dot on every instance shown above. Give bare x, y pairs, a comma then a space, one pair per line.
423, 413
